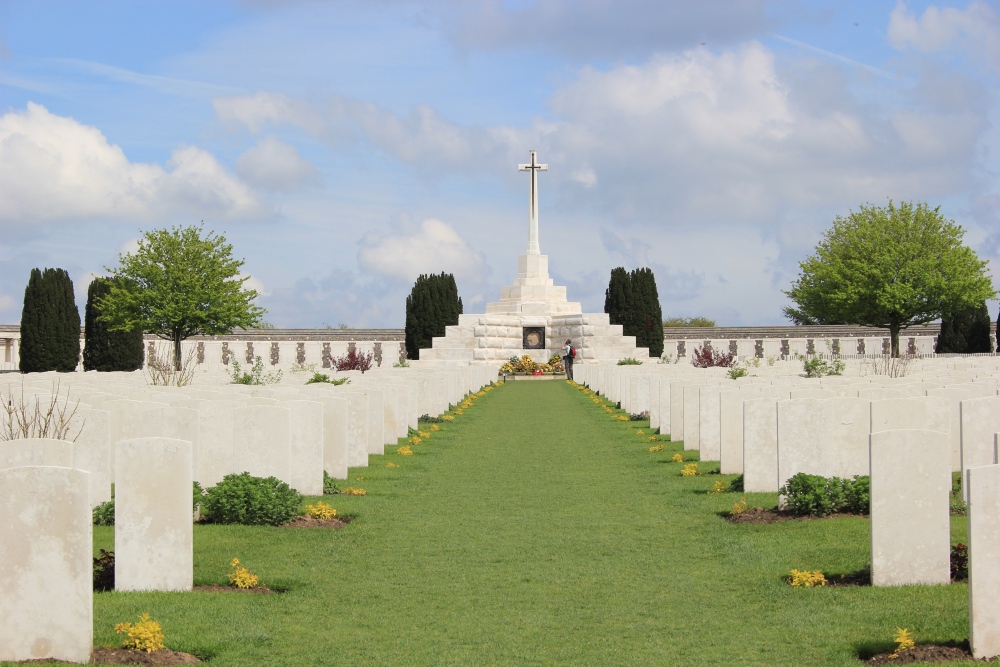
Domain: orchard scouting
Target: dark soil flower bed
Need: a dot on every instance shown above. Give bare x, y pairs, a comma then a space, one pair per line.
763, 515
229, 588
310, 522
858, 578
127, 656
924, 653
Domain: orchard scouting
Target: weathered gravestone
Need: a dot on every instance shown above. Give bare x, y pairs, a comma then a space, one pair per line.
760, 445
46, 566
984, 554
827, 437
306, 446
910, 521
36, 452
153, 508
980, 421
262, 441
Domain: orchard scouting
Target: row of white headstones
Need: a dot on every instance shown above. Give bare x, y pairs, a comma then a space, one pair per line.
909, 434
152, 443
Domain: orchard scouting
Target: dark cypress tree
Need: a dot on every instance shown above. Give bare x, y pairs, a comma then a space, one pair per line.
978, 338
433, 304
67, 322
617, 299
50, 323
645, 313
107, 350
965, 331
34, 347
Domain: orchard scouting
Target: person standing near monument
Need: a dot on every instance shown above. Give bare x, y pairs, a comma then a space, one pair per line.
569, 353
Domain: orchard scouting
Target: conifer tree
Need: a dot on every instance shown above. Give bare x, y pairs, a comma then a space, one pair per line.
50, 323
432, 305
965, 331
645, 313
617, 298
106, 350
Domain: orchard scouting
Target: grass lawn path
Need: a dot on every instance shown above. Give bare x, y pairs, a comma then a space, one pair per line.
535, 530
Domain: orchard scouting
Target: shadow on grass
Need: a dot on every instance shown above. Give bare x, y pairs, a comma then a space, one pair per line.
868, 650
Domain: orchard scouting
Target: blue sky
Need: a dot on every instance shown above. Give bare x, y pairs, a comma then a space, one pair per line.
345, 147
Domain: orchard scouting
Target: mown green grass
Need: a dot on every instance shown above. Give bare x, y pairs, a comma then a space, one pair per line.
535, 530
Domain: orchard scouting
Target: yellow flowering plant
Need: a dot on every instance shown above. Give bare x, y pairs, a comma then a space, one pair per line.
720, 487
242, 577
404, 450
390, 464
435, 427
352, 491
806, 579
690, 470
448, 418
321, 510
677, 458
740, 506
652, 438
415, 440
146, 635
656, 448
423, 434
903, 639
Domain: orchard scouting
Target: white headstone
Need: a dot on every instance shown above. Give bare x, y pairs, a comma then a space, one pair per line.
980, 420
984, 554
262, 441
760, 445
910, 522
46, 566
153, 515
306, 443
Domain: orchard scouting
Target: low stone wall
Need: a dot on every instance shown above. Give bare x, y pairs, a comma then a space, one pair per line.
283, 348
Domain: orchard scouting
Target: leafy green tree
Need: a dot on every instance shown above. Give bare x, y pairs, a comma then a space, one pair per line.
965, 332
50, 323
645, 316
890, 267
432, 305
106, 350
179, 283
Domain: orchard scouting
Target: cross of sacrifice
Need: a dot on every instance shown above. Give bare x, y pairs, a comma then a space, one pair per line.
534, 168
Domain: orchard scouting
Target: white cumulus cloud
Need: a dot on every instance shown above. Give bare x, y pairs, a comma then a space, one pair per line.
274, 165
432, 247
975, 29
53, 167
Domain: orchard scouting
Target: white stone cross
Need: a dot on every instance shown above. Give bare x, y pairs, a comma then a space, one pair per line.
534, 168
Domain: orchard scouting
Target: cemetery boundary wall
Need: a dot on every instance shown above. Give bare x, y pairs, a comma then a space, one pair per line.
285, 348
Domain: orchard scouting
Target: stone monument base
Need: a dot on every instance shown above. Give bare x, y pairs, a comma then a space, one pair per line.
495, 338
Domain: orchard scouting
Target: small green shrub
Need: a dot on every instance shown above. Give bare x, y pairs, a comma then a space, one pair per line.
629, 361
817, 368
198, 494
815, 495
104, 571
737, 484
104, 514
318, 378
737, 372
256, 374
330, 486
252, 501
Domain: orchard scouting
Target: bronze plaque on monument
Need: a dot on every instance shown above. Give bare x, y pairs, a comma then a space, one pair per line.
533, 338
